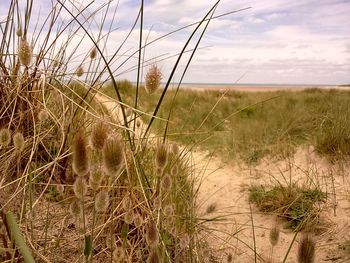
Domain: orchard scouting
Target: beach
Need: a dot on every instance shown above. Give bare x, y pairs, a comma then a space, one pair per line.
257, 87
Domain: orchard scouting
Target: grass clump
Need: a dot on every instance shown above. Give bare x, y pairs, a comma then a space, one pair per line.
86, 185
298, 206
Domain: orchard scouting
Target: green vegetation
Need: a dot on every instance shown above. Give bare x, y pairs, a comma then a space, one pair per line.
252, 125
296, 205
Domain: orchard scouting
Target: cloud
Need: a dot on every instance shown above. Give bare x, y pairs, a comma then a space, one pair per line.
275, 41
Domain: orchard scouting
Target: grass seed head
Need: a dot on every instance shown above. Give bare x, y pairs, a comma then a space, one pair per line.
152, 238
175, 148
25, 53
80, 187
43, 115
56, 63
5, 137
113, 156
18, 141
169, 210
211, 208
93, 53
154, 256
79, 71
161, 156
99, 135
157, 202
138, 220
129, 216
128, 112
118, 255
166, 182
153, 79
60, 188
75, 208
306, 250
95, 179
274, 235
174, 170
102, 201
127, 203
81, 162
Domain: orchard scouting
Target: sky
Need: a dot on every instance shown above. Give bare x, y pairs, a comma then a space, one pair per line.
272, 42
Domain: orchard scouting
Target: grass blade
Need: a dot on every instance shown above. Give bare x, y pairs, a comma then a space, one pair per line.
18, 239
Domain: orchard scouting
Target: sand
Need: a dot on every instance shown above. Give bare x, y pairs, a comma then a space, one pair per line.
224, 186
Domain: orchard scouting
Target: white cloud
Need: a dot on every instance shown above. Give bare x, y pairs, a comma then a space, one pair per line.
275, 41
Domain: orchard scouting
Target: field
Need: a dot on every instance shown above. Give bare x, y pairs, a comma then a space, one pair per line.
97, 169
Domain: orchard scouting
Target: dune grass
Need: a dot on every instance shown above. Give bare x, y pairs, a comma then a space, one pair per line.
296, 205
84, 185
252, 125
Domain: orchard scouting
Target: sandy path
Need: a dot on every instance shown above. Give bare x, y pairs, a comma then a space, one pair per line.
225, 187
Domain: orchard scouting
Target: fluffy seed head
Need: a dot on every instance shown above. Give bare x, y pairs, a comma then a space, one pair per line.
174, 170
118, 255
113, 156
138, 220
154, 256
81, 163
95, 180
127, 203
274, 235
306, 250
25, 52
18, 141
152, 238
56, 63
5, 137
43, 115
93, 53
128, 112
161, 156
80, 187
128, 217
79, 71
153, 79
169, 210
166, 182
60, 188
75, 208
102, 201
99, 135
211, 208
175, 149
157, 202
